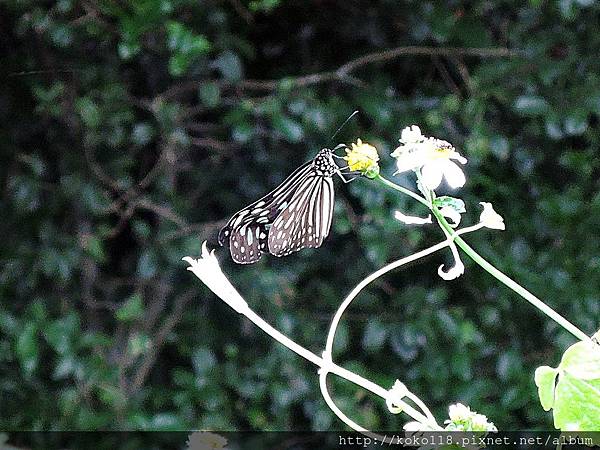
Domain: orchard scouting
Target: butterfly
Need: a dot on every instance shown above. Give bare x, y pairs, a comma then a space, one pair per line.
297, 214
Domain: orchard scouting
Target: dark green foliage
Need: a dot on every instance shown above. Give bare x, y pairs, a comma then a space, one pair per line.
132, 130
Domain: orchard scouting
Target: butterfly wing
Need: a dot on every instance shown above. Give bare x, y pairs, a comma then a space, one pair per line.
247, 243
306, 220
247, 229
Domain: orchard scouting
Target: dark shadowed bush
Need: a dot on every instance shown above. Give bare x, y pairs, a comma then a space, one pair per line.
132, 130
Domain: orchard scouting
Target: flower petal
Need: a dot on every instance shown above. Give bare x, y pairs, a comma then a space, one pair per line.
412, 220
454, 174
455, 155
458, 412
406, 159
490, 218
413, 426
452, 214
432, 174
453, 272
208, 270
395, 396
411, 134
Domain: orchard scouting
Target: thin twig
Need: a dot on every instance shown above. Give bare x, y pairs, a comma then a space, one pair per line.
242, 11
446, 75
150, 358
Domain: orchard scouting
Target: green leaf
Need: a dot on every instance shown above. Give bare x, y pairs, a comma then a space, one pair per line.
60, 333
577, 404
575, 400
95, 248
142, 133
375, 335
582, 360
128, 50
230, 66
138, 344
132, 309
185, 46
576, 125
203, 360
27, 348
147, 265
545, 378
184, 40
455, 203
88, 111
178, 64
531, 105
290, 129
210, 94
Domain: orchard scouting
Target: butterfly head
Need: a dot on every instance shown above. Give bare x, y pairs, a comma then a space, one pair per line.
324, 164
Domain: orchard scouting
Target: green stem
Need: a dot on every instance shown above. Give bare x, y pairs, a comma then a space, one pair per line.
405, 191
500, 276
509, 282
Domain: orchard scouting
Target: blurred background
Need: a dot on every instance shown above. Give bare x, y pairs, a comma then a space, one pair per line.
131, 131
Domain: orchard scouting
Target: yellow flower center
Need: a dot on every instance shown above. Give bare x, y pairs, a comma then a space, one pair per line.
441, 152
361, 157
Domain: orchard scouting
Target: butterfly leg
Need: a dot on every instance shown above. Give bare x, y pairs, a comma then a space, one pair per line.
337, 156
354, 175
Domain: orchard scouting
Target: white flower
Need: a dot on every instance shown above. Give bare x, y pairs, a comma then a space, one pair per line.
454, 272
395, 396
490, 218
434, 157
412, 220
463, 419
208, 270
459, 412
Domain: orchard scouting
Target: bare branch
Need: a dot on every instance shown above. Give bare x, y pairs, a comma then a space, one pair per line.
394, 53
343, 73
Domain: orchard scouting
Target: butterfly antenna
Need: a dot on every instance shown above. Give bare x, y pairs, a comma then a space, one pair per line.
344, 124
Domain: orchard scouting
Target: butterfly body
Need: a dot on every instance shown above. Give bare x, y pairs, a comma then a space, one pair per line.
297, 214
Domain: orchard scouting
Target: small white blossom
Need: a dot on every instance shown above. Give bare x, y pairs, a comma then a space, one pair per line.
434, 157
490, 218
459, 412
463, 419
395, 396
208, 270
412, 220
452, 214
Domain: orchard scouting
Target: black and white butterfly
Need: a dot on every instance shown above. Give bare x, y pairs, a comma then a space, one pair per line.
297, 214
